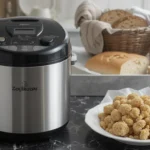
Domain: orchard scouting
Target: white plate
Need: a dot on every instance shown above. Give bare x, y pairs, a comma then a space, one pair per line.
93, 122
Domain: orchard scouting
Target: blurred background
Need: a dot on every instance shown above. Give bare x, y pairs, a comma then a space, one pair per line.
61, 10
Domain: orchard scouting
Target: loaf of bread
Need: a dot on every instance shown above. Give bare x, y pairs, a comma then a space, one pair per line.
130, 22
118, 63
114, 15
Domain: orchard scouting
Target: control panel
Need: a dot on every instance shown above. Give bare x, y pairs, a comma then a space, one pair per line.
30, 35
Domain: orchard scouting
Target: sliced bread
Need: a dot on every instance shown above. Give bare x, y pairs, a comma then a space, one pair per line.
113, 15
130, 22
118, 63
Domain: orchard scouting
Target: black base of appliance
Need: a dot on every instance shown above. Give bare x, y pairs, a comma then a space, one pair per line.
17, 138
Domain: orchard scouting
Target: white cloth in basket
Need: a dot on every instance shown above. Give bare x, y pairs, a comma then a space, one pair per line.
145, 14
86, 11
91, 35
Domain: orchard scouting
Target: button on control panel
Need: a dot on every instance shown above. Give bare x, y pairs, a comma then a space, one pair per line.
46, 40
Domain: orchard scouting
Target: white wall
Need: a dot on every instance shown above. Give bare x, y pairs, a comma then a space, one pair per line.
67, 8
119, 3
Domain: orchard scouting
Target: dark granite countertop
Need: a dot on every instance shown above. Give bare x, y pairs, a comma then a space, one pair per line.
77, 135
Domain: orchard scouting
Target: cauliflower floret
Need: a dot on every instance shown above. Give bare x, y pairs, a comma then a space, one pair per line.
108, 109
145, 114
116, 104
101, 116
107, 120
132, 96
134, 113
147, 127
138, 126
103, 125
119, 98
129, 101
136, 102
145, 108
144, 134
120, 129
145, 97
147, 101
147, 120
125, 109
123, 101
128, 120
115, 115
139, 118
110, 125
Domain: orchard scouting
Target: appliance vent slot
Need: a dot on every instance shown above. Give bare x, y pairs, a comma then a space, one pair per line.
24, 20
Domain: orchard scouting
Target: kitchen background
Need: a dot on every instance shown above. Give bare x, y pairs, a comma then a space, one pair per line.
63, 10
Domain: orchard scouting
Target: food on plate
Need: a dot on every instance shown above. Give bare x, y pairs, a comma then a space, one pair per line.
144, 134
118, 63
115, 115
113, 15
130, 22
129, 119
124, 109
108, 109
120, 128
135, 112
138, 126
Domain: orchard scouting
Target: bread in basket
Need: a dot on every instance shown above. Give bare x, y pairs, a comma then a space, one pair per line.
99, 39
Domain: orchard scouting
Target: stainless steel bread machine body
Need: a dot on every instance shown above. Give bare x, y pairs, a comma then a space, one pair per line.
35, 67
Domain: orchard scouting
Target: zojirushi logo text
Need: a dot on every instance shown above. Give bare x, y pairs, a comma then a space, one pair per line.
24, 88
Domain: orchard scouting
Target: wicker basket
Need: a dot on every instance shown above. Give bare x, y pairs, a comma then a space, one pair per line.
131, 41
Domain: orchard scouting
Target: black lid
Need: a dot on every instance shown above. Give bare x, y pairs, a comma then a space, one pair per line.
31, 41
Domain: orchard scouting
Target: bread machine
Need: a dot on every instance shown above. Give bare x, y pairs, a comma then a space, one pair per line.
35, 65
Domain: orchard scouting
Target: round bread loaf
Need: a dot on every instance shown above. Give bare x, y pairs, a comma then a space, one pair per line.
130, 22
113, 15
